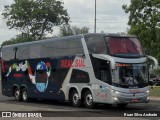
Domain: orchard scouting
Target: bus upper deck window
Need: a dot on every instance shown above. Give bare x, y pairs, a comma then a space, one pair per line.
96, 45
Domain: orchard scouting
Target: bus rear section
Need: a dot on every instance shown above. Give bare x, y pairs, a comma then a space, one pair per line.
38, 69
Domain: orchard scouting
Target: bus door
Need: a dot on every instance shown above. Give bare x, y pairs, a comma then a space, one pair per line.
103, 74
105, 80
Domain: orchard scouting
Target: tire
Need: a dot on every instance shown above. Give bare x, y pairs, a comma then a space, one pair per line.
17, 94
122, 106
25, 95
88, 100
75, 101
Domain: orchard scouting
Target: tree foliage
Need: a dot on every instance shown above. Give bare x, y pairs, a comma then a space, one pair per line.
144, 19
18, 39
64, 31
156, 72
34, 18
72, 30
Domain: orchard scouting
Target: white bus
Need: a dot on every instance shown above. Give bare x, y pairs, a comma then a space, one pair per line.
82, 69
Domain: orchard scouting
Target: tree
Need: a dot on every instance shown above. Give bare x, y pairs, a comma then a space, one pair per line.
34, 18
72, 30
18, 39
144, 18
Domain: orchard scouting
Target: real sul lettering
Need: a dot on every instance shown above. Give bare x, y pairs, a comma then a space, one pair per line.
78, 63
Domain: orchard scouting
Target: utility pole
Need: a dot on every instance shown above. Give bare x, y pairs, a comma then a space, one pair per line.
95, 19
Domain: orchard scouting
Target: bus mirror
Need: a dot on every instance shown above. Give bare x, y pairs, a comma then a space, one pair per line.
81, 56
154, 60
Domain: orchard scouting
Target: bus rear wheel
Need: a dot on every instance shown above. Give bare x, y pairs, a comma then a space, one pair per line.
88, 100
17, 94
25, 95
76, 102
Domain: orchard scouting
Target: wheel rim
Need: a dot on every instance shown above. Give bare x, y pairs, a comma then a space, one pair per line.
75, 98
24, 95
17, 94
89, 99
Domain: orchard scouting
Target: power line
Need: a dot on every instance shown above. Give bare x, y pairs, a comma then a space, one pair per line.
97, 22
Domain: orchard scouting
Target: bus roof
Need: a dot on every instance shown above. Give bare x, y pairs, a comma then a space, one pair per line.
111, 35
66, 37
41, 41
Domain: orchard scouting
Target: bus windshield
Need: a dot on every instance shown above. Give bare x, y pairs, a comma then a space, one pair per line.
131, 75
124, 46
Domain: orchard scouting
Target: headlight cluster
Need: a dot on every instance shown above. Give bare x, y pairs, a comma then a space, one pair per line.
147, 91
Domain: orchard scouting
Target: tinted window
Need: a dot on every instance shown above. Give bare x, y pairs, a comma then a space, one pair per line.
35, 51
79, 76
101, 69
8, 53
60, 48
75, 47
69, 47
124, 46
23, 52
96, 44
47, 50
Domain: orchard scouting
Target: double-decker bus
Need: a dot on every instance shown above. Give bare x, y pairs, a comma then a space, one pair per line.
82, 69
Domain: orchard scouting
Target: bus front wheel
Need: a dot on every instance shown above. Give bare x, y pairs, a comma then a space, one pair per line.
17, 94
88, 100
24, 95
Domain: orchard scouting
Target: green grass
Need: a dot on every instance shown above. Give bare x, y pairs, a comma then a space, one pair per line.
155, 91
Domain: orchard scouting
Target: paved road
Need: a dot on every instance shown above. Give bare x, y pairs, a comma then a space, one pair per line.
9, 104
62, 109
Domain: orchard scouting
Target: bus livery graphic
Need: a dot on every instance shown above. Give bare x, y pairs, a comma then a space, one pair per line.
42, 84
17, 68
43, 78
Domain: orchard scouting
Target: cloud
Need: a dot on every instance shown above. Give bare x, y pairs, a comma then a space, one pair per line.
5, 32
4, 2
110, 16
109, 13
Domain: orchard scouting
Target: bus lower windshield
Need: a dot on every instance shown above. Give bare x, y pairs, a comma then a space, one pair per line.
131, 75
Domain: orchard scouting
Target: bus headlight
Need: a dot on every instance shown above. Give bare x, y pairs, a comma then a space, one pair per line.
116, 99
147, 91
147, 100
114, 91
117, 92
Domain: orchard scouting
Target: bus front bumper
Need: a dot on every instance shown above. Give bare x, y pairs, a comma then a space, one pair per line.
130, 98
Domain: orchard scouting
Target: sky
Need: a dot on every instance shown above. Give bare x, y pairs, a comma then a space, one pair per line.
111, 18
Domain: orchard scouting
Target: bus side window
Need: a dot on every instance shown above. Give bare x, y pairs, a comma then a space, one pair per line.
101, 69
75, 47
8, 54
47, 50
23, 52
61, 48
35, 51
96, 44
105, 75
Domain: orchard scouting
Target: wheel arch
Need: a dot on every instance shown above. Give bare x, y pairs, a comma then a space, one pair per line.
84, 90
22, 87
13, 88
71, 90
